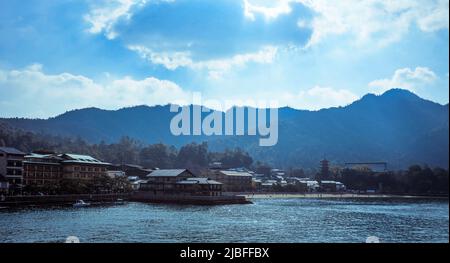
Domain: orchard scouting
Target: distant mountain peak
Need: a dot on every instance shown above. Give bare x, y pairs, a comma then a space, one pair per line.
400, 92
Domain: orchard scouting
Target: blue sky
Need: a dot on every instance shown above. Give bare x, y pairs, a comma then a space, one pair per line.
308, 54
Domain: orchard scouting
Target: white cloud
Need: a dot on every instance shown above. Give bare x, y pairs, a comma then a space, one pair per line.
375, 20
216, 68
269, 9
314, 98
379, 21
405, 78
104, 16
318, 98
31, 92
170, 60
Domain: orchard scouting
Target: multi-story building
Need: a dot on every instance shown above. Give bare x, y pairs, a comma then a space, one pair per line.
199, 187
180, 182
11, 167
44, 169
163, 181
76, 166
233, 181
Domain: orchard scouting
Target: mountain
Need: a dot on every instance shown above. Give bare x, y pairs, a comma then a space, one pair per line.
397, 127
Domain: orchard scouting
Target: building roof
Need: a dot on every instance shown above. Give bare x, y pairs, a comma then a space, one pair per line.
328, 182
134, 166
139, 182
199, 180
37, 155
167, 172
42, 156
78, 158
10, 150
235, 173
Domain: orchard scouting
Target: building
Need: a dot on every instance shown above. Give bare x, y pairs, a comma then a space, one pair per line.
132, 170
136, 184
76, 166
11, 168
180, 182
42, 169
332, 186
268, 185
115, 174
277, 174
199, 187
233, 181
311, 185
324, 169
256, 184
4, 185
163, 181
49, 168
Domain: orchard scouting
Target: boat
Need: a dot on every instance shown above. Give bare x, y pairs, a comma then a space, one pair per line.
81, 203
120, 202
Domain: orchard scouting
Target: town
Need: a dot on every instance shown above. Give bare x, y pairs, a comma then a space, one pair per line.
47, 176
47, 173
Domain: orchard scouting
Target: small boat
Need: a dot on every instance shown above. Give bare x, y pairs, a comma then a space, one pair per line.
81, 203
120, 202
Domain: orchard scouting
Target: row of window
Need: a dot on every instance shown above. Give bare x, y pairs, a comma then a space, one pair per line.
84, 175
42, 175
89, 169
13, 172
13, 163
42, 168
28, 182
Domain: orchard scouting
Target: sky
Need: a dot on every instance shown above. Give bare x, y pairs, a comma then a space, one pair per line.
62, 55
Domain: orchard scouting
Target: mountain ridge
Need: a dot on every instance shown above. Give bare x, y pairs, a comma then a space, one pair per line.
398, 127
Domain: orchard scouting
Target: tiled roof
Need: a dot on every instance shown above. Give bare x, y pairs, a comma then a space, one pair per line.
234, 173
166, 173
10, 150
78, 158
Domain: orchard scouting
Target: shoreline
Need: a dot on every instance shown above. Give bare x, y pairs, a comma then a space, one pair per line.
337, 196
240, 198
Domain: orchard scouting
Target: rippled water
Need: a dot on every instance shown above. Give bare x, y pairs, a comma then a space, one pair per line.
267, 220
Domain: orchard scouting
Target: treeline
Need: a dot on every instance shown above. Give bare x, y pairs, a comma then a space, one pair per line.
416, 180
126, 151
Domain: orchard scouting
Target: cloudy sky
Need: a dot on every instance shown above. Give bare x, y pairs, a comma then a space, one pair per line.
309, 54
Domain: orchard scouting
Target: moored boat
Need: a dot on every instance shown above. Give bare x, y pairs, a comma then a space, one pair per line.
81, 203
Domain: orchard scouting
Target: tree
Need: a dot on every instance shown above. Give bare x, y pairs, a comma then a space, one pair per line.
193, 156
157, 155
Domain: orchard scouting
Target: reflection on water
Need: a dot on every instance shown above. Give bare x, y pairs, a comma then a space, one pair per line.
267, 220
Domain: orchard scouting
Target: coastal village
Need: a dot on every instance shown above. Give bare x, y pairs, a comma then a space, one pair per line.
217, 184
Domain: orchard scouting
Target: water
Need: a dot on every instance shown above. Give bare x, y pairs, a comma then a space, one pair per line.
267, 220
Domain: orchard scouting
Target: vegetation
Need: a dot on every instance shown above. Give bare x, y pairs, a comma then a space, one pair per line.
416, 180
127, 151
98, 185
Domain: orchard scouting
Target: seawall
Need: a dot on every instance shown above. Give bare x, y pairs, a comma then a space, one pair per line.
188, 199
